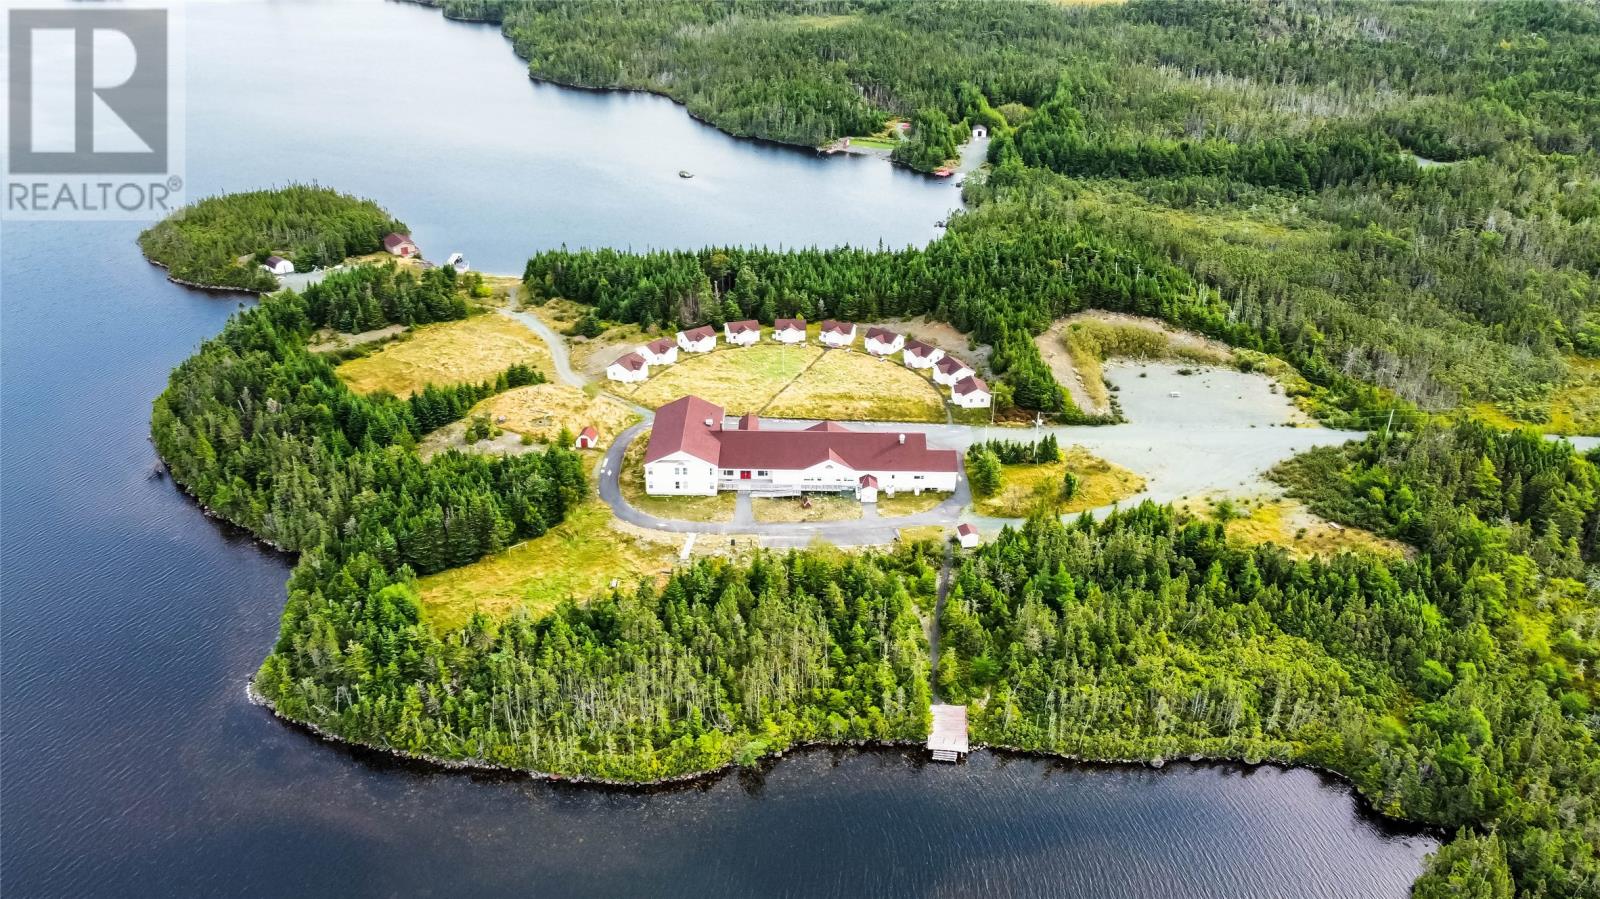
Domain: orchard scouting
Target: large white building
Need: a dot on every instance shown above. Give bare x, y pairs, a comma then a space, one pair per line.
691, 453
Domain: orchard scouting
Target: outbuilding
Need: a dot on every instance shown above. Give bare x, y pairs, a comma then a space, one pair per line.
743, 333
789, 330
867, 489
630, 368
971, 393
920, 355
661, 351
698, 340
967, 536
948, 370
837, 334
278, 265
400, 245
588, 438
884, 342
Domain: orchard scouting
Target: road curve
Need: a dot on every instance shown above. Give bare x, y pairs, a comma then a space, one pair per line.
557, 344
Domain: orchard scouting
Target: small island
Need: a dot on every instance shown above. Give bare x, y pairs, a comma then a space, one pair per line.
241, 241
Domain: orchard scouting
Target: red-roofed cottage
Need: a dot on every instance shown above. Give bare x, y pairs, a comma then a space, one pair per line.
400, 244
629, 368
789, 330
971, 393
588, 438
661, 351
837, 334
884, 342
698, 340
742, 333
967, 536
920, 355
691, 453
948, 370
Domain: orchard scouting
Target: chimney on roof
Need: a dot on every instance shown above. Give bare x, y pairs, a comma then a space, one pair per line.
708, 422
902, 438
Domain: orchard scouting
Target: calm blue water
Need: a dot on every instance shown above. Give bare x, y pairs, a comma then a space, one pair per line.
130, 762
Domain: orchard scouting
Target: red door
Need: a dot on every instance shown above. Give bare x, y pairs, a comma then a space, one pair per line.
744, 475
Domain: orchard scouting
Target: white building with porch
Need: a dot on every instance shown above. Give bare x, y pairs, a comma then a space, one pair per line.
884, 342
692, 453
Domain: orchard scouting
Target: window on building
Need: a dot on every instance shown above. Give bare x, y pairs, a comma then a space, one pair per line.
763, 473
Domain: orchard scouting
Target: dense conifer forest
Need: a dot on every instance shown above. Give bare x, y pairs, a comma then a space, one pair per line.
1407, 195
1248, 171
221, 241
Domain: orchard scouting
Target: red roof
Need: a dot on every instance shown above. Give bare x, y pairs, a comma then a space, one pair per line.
868, 480
834, 327
696, 335
969, 384
743, 327
660, 345
918, 348
881, 335
396, 239
589, 432
630, 361
789, 324
681, 425
966, 530
950, 364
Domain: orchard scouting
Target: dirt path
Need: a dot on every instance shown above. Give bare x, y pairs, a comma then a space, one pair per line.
931, 627
557, 345
1054, 351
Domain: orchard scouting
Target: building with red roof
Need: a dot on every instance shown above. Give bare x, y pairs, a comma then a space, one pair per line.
742, 333
400, 245
947, 370
698, 340
837, 334
884, 342
629, 368
588, 438
789, 330
691, 452
661, 351
971, 393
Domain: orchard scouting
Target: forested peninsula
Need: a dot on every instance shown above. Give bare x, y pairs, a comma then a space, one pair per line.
221, 241
1249, 171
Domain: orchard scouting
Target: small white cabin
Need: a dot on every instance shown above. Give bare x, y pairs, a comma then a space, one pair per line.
588, 438
629, 368
661, 351
971, 393
979, 132
698, 340
744, 333
967, 536
884, 342
920, 355
278, 265
837, 334
949, 370
789, 330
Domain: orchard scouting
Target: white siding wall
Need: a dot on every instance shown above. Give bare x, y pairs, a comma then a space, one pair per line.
974, 400
923, 361
744, 338
789, 336
837, 340
618, 373
680, 475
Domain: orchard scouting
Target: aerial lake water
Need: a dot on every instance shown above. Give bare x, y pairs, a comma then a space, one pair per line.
129, 622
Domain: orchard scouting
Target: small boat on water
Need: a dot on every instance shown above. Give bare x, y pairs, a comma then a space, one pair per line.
685, 173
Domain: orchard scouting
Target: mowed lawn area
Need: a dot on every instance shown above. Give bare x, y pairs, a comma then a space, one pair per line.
470, 350
577, 560
797, 382
854, 386
739, 379
1023, 487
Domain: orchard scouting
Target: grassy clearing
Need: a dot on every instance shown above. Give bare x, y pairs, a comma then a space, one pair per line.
1093, 338
1289, 524
542, 410
792, 509
473, 349
1025, 487
1574, 406
576, 560
903, 504
874, 143
740, 379
858, 387
934, 532
689, 508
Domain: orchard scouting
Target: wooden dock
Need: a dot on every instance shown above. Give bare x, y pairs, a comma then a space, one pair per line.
948, 741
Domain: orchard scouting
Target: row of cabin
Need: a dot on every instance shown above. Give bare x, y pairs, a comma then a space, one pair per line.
967, 390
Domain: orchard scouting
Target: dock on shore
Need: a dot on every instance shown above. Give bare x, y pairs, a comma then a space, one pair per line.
948, 741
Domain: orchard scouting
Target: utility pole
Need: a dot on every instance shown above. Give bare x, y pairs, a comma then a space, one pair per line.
1388, 423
